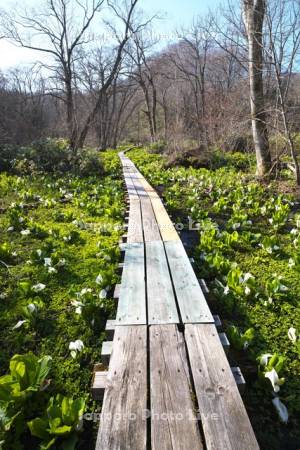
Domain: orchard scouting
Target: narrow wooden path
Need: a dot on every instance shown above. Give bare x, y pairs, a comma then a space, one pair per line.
169, 385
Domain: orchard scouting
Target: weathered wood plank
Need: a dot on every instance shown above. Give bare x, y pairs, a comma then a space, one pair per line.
99, 385
225, 421
135, 227
132, 297
173, 421
110, 328
148, 188
130, 185
123, 420
139, 188
192, 303
166, 227
150, 226
161, 300
106, 352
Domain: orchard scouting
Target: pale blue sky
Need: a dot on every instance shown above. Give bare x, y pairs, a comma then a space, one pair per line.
178, 11
175, 13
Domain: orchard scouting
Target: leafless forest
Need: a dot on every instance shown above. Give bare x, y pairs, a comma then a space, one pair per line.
113, 81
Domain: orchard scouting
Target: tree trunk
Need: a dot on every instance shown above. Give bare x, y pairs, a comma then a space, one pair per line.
254, 11
71, 120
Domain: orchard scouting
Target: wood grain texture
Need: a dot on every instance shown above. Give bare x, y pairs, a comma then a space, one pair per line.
192, 303
123, 424
173, 421
225, 421
161, 300
135, 227
132, 297
150, 226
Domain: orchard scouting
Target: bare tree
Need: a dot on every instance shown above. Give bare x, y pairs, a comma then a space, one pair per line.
64, 30
143, 72
191, 61
253, 15
283, 43
58, 30
130, 29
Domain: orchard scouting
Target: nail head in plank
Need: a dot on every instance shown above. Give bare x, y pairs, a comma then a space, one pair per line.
173, 421
192, 303
126, 393
224, 418
132, 297
161, 300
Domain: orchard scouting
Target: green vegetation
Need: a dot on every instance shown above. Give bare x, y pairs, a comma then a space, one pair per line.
58, 256
248, 251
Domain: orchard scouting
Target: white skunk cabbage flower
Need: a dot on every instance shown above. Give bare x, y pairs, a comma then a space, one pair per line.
265, 358
292, 334
19, 324
76, 347
85, 291
281, 409
78, 305
38, 287
25, 232
32, 307
99, 279
103, 294
272, 375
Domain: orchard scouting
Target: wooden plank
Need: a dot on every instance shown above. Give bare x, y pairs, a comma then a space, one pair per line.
132, 297
192, 303
123, 423
130, 186
135, 227
106, 352
239, 379
166, 227
110, 328
173, 421
224, 419
150, 226
139, 188
161, 300
99, 385
148, 188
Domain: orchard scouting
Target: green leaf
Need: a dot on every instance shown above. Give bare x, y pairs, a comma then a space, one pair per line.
7, 417
38, 427
59, 431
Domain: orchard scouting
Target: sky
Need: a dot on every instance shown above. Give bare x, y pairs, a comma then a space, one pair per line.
174, 15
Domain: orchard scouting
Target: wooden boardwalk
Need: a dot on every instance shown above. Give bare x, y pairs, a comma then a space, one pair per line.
169, 385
